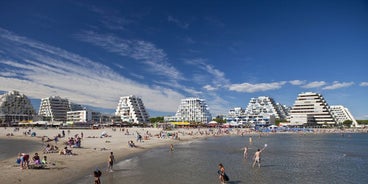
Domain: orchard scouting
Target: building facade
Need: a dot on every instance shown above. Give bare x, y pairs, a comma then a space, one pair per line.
15, 107
131, 109
311, 109
342, 114
82, 116
260, 111
192, 110
54, 108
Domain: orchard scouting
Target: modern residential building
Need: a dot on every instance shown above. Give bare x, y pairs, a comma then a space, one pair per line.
342, 114
131, 109
15, 107
311, 109
191, 110
260, 111
54, 108
82, 116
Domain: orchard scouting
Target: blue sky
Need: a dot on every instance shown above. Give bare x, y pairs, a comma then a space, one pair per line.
225, 52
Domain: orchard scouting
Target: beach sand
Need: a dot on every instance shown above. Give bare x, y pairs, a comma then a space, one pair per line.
94, 152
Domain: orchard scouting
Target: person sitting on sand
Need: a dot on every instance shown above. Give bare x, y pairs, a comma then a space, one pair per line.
67, 151
44, 160
36, 159
131, 144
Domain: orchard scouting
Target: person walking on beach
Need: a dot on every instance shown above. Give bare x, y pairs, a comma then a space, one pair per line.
111, 161
257, 157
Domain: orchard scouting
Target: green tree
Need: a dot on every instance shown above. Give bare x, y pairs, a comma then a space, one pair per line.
347, 123
220, 120
157, 119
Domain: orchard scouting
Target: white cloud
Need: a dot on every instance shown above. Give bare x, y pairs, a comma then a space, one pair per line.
297, 82
315, 84
209, 88
179, 23
209, 74
337, 85
251, 88
43, 70
363, 84
143, 51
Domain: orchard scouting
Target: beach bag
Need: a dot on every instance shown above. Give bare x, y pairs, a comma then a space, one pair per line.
226, 177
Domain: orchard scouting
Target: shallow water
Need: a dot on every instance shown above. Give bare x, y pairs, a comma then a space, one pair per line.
289, 158
11, 147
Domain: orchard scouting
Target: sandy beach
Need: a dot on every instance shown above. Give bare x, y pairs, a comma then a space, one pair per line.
93, 153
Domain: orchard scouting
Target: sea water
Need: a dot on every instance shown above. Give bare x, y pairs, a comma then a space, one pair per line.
11, 147
288, 158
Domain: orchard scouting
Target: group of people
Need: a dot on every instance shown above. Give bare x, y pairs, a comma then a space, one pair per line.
24, 160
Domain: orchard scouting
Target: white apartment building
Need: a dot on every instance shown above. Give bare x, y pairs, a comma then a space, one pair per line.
311, 109
342, 114
260, 111
15, 107
54, 108
191, 110
79, 116
131, 109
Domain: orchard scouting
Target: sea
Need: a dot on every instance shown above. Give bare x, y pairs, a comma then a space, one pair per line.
288, 158
11, 147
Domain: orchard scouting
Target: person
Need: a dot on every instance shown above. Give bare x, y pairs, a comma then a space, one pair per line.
36, 159
257, 157
250, 140
97, 173
245, 154
111, 161
24, 160
44, 160
171, 147
222, 175
131, 144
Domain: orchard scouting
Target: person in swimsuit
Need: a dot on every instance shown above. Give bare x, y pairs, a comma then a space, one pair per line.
222, 175
111, 161
257, 157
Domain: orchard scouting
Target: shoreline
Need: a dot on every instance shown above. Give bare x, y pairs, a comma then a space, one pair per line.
94, 152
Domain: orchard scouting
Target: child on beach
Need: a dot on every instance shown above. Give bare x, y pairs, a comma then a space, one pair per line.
110, 162
97, 173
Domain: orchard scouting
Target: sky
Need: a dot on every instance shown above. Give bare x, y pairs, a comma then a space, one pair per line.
225, 52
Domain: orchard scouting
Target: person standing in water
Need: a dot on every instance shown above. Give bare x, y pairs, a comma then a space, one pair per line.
222, 175
97, 174
171, 147
245, 154
111, 161
257, 157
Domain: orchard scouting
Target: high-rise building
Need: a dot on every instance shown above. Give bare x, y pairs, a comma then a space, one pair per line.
131, 109
15, 107
54, 108
192, 110
311, 109
342, 114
